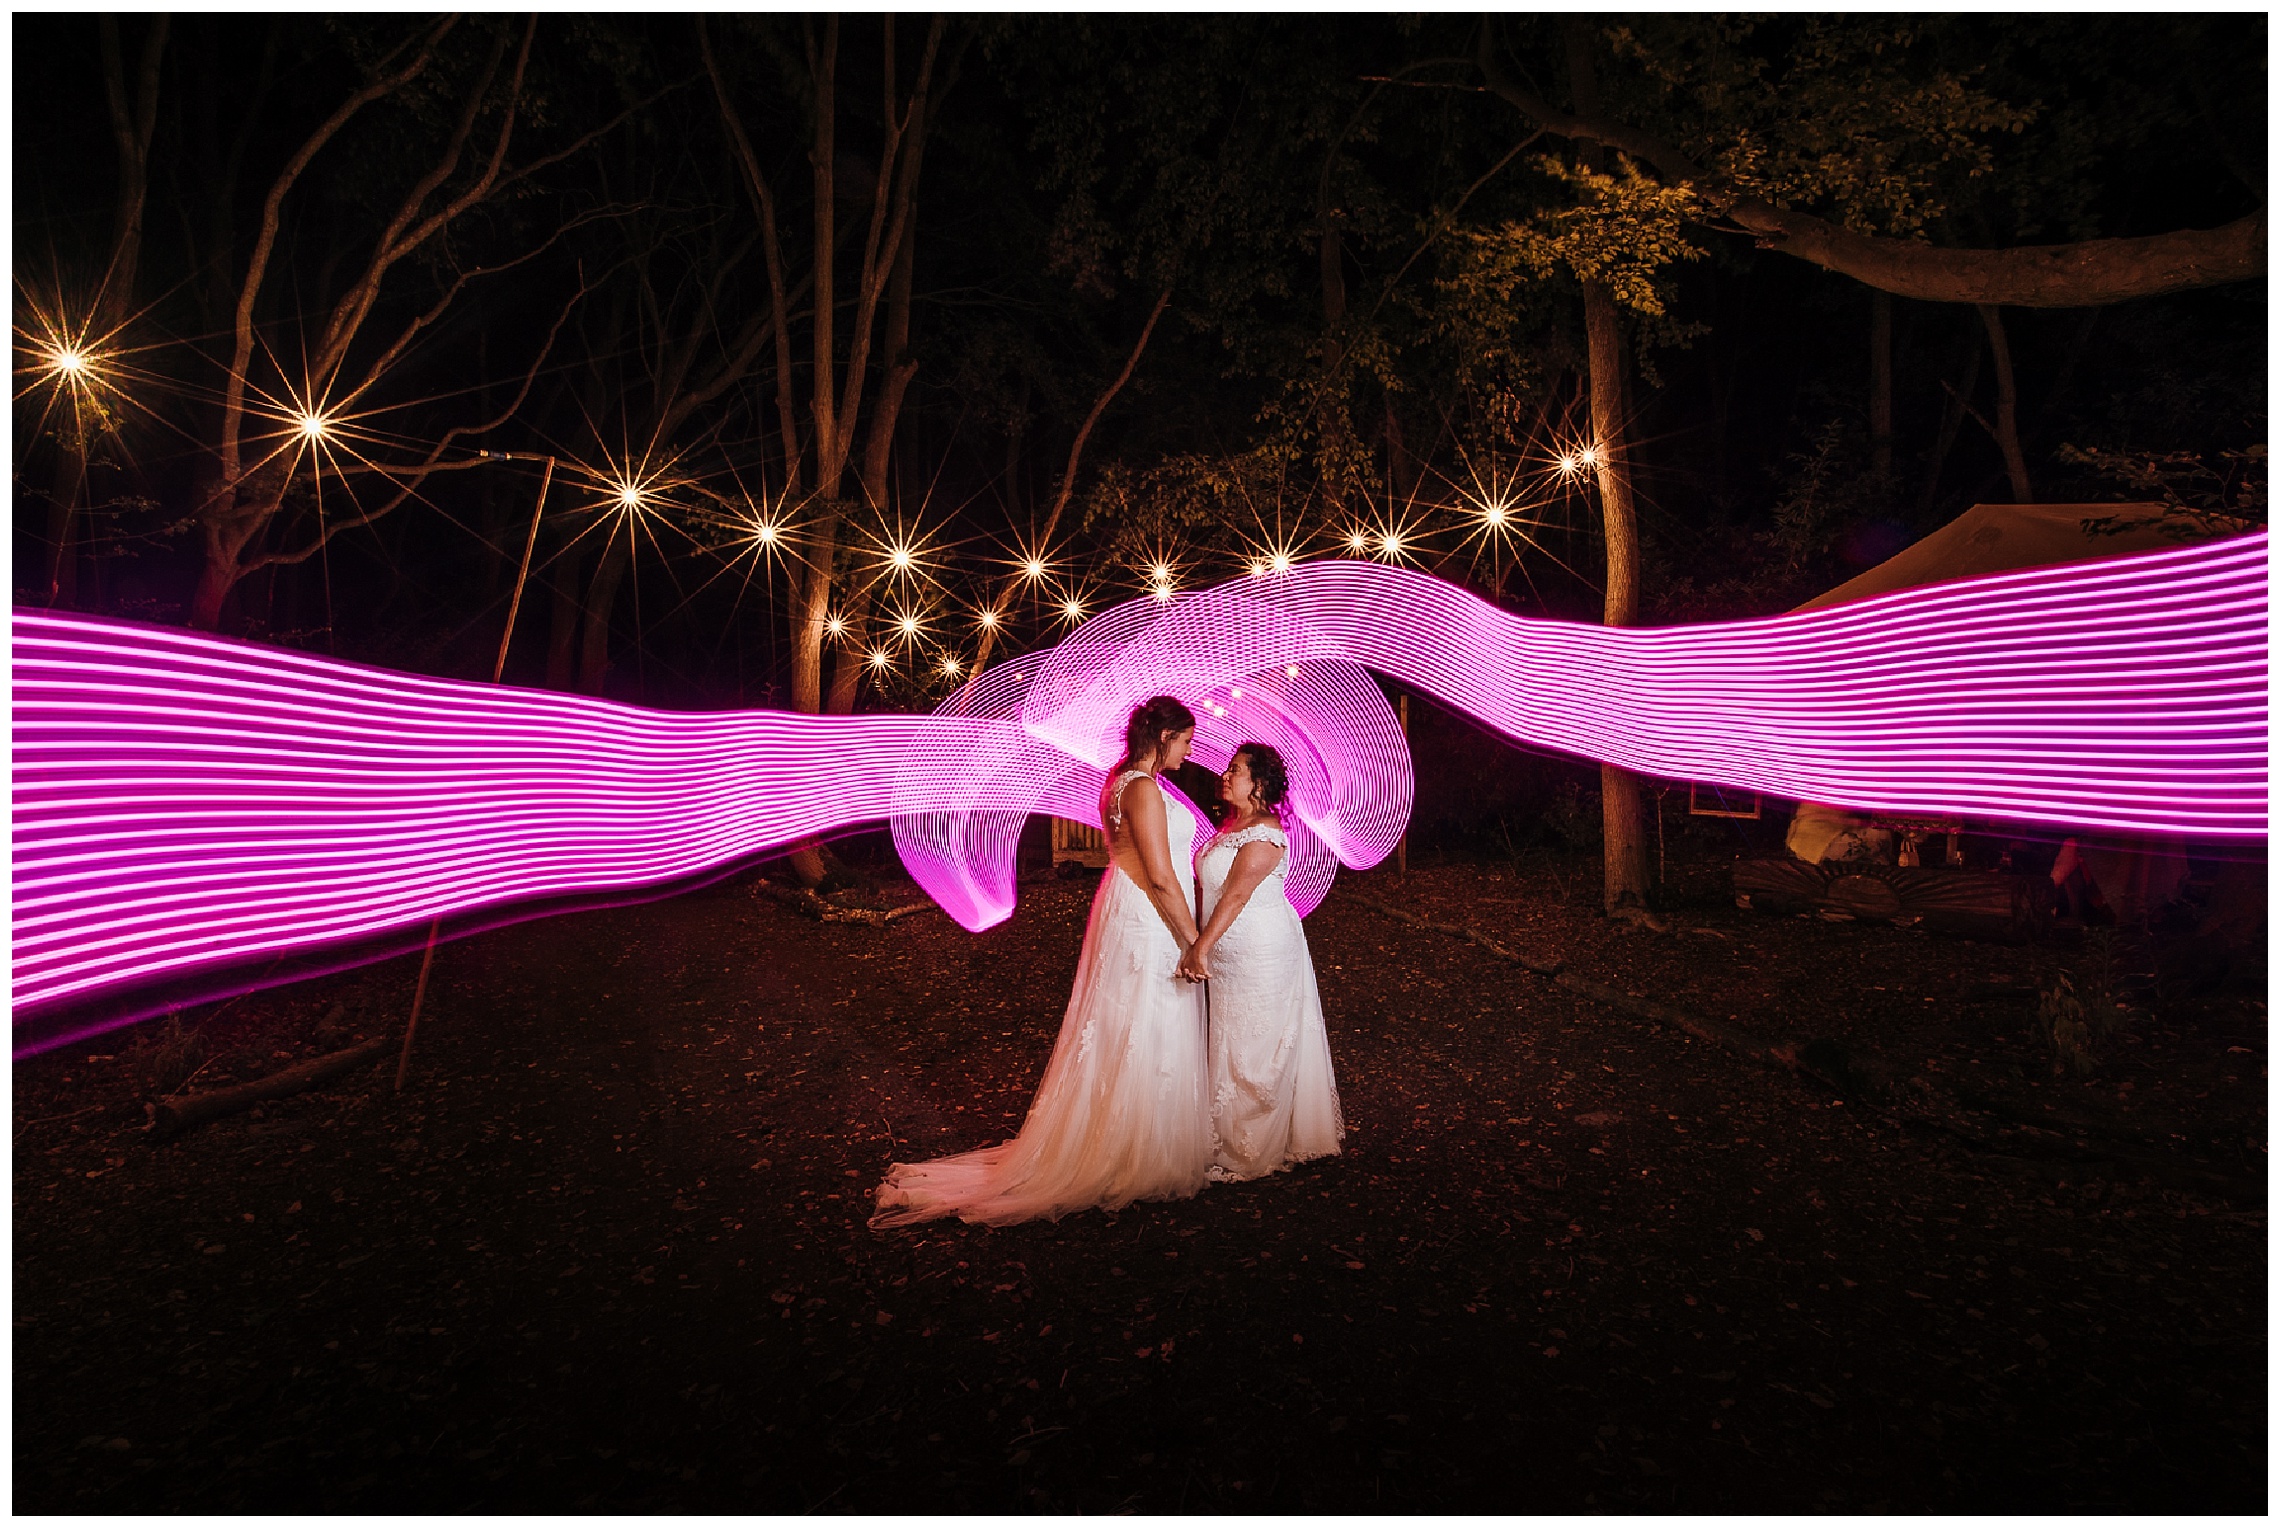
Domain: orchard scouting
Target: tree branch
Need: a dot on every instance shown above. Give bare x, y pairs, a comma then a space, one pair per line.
2088, 274
434, 462
272, 207
764, 207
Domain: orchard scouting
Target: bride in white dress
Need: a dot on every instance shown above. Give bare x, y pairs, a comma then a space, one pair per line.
1122, 1113
1274, 1097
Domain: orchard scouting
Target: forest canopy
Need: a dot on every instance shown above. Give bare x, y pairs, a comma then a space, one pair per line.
843, 354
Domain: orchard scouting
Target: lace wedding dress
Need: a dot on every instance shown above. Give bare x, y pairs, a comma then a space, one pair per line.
1274, 1098
1122, 1113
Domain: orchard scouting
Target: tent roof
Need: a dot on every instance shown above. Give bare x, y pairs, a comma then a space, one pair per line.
1994, 538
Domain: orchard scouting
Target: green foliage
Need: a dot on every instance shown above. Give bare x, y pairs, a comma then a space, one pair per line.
2199, 495
1624, 230
1867, 117
2077, 1014
1827, 489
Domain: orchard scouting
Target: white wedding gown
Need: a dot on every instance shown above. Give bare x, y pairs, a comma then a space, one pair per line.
1122, 1113
1274, 1097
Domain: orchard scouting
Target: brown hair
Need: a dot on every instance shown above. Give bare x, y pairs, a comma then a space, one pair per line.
1269, 778
1151, 720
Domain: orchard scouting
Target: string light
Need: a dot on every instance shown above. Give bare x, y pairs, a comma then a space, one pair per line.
315, 427
950, 668
1073, 608
69, 360
1033, 569
266, 800
835, 625
909, 624
900, 559
988, 619
1358, 540
880, 658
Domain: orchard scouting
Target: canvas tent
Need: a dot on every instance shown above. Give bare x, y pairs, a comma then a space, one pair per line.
2132, 875
1995, 538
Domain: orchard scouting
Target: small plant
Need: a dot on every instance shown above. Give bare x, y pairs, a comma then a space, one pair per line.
2078, 1014
1574, 817
163, 1058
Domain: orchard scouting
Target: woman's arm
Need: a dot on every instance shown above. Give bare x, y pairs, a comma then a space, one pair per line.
1254, 862
1144, 812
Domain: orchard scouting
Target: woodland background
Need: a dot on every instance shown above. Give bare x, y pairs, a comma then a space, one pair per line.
833, 324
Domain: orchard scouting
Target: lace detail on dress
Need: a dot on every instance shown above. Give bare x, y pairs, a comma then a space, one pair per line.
1256, 833
1116, 795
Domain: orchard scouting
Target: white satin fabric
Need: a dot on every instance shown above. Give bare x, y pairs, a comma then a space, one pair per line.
1274, 1097
1122, 1113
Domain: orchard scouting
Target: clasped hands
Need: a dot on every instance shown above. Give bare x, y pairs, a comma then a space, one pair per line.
1194, 965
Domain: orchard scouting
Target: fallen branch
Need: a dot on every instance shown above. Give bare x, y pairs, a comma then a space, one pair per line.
169, 1117
812, 904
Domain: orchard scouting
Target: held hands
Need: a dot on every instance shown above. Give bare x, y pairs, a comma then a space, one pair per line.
1194, 964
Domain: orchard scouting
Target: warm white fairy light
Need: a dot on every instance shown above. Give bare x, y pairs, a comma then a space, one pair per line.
1389, 544
1291, 670
1073, 608
1358, 541
879, 658
314, 427
988, 620
765, 532
1033, 569
901, 559
1257, 568
908, 624
835, 625
629, 495
950, 667
70, 360
1280, 562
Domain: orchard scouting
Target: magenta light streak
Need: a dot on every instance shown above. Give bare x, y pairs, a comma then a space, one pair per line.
183, 801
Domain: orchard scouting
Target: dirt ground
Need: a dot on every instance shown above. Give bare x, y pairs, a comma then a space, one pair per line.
607, 1250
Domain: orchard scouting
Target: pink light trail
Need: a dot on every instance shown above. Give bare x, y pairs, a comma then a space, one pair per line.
183, 801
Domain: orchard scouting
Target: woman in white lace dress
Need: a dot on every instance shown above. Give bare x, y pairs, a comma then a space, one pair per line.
1122, 1113
1274, 1097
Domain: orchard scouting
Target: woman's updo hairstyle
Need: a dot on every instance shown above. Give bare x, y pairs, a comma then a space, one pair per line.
1151, 719
1269, 779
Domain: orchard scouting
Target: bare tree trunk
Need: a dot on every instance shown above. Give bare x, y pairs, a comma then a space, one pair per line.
1880, 384
1077, 452
1622, 803
2006, 405
133, 124
601, 599
562, 625
1951, 421
847, 669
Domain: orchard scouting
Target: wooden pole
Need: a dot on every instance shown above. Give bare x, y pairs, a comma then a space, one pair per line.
498, 668
522, 574
427, 963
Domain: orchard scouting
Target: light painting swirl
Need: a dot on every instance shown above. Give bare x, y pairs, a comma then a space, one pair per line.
183, 801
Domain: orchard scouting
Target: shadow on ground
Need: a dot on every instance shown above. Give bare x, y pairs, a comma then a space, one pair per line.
607, 1249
